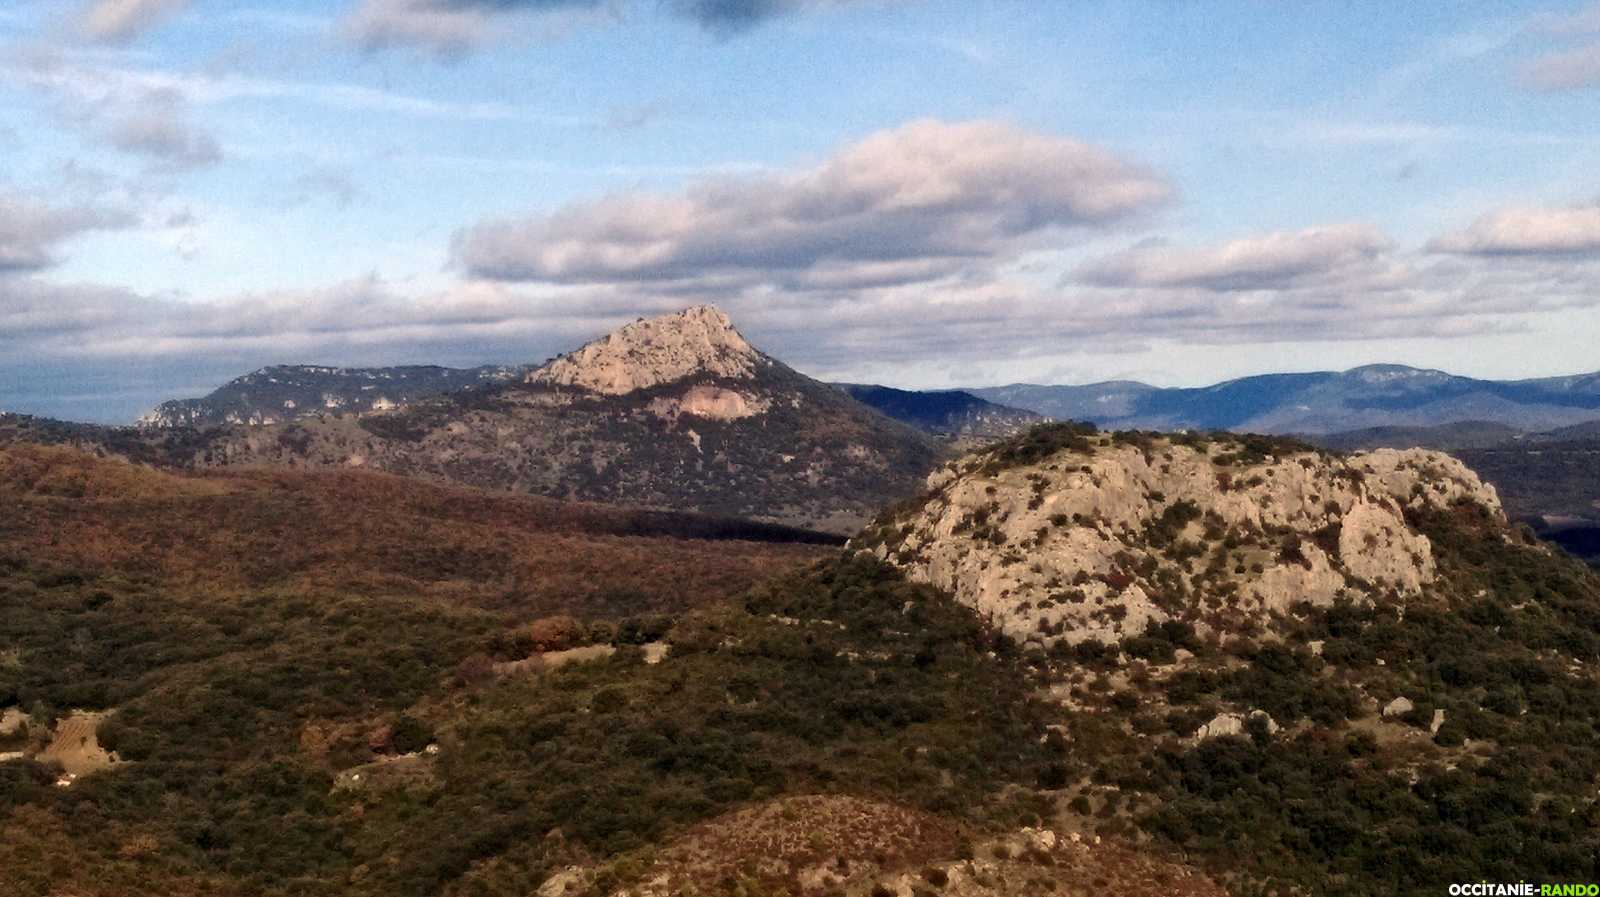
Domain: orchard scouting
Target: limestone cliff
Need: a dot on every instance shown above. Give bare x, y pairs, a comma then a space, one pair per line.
1073, 535
653, 351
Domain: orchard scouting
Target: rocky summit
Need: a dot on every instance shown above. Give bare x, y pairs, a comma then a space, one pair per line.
652, 351
1071, 535
677, 411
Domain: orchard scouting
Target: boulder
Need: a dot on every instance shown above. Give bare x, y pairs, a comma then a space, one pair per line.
1398, 707
1235, 724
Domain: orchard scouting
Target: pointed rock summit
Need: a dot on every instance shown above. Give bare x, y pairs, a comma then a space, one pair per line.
676, 411
653, 351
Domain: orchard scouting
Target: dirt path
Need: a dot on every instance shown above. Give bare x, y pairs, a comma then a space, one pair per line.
75, 746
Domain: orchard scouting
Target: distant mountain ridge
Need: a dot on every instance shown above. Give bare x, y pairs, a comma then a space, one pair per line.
950, 413
289, 392
675, 412
1387, 395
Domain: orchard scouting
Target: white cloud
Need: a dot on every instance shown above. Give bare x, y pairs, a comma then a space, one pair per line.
119, 21
910, 204
1571, 69
1268, 261
1528, 231
31, 231
156, 128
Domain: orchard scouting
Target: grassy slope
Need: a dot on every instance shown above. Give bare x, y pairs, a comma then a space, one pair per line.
283, 626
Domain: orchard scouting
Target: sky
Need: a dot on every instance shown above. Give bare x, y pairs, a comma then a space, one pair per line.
912, 192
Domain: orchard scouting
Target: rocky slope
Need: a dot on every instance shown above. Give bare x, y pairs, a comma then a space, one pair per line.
817, 845
314, 655
1291, 667
1072, 535
293, 392
675, 412
1550, 480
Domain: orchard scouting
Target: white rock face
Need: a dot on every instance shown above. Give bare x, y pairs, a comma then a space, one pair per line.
1234, 724
653, 351
1398, 707
1097, 544
12, 721
711, 403
571, 880
1419, 477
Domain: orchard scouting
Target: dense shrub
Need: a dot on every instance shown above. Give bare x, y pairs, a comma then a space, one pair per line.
1039, 443
233, 712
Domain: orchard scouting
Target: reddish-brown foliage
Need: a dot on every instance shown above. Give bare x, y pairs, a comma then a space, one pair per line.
364, 533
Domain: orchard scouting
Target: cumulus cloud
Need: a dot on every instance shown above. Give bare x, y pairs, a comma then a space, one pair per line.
156, 128
32, 231
963, 321
982, 321
1268, 261
1528, 232
119, 21
910, 204
143, 114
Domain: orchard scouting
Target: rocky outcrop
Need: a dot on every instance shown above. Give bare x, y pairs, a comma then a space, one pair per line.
653, 351
1235, 724
1398, 707
710, 403
1096, 536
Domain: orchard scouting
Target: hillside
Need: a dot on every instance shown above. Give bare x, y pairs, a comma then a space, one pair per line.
676, 412
1172, 665
292, 392
346, 683
1323, 402
673, 412
1296, 668
359, 533
958, 416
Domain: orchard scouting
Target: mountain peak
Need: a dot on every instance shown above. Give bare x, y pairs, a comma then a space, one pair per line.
652, 351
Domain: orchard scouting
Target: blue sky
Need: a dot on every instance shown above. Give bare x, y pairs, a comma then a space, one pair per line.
919, 193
